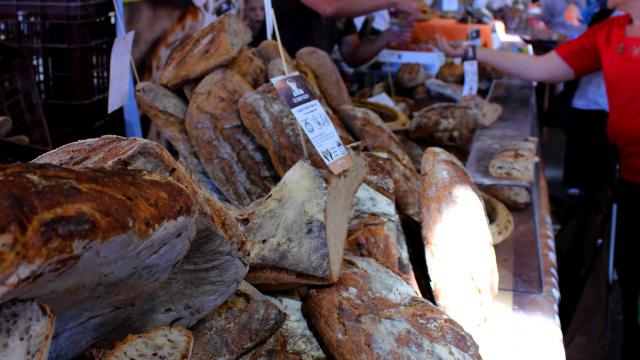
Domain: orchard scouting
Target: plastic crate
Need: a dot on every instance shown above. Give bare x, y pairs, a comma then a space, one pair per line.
19, 100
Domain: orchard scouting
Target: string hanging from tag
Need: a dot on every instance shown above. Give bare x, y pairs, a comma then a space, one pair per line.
286, 73
120, 23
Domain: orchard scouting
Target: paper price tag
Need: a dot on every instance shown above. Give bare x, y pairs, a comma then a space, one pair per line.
120, 72
315, 122
470, 65
474, 37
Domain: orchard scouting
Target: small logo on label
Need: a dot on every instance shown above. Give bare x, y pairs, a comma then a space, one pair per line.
294, 88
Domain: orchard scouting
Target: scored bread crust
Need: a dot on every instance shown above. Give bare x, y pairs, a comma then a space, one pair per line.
119, 352
6, 309
500, 219
411, 75
248, 65
327, 75
516, 161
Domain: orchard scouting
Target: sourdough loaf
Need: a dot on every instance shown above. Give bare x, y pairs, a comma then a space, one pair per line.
500, 219
451, 72
369, 128
516, 161
240, 324
166, 343
445, 124
296, 235
275, 128
250, 67
512, 196
458, 242
449, 90
371, 313
127, 228
227, 150
208, 49
26, 328
293, 340
268, 51
488, 112
327, 75
375, 230
411, 75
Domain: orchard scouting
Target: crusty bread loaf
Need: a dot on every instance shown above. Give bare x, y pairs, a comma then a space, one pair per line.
500, 219
371, 313
167, 343
488, 112
375, 230
516, 161
190, 291
26, 328
208, 49
308, 74
449, 90
275, 69
451, 72
293, 340
411, 75
458, 242
327, 75
268, 51
275, 128
127, 228
445, 124
296, 235
226, 149
369, 128
248, 65
513, 196
5, 125
245, 320
413, 149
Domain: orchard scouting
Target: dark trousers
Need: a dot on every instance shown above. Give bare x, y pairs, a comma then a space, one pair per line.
628, 264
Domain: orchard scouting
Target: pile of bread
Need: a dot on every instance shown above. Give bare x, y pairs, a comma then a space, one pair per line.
242, 248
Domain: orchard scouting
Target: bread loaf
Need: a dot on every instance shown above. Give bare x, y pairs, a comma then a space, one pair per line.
268, 51
226, 149
296, 235
371, 313
449, 90
458, 242
5, 125
275, 69
489, 112
513, 196
516, 161
167, 343
451, 72
245, 320
127, 228
500, 219
275, 128
208, 49
327, 74
250, 67
375, 230
26, 328
293, 340
445, 124
190, 291
369, 128
411, 75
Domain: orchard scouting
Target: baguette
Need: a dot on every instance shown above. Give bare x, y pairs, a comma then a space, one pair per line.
208, 49
327, 75
27, 329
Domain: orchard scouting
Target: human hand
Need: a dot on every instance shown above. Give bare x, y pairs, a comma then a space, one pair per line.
398, 35
573, 15
451, 49
408, 8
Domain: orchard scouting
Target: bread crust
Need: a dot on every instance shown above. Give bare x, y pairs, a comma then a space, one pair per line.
248, 65
500, 219
327, 75
185, 353
411, 75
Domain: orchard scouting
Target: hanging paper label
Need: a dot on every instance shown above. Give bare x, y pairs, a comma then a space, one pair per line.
474, 37
120, 72
312, 117
268, 18
470, 72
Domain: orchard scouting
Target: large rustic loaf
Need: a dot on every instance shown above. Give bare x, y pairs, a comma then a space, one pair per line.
370, 129
488, 112
166, 343
98, 241
268, 51
296, 235
240, 324
327, 75
458, 243
227, 150
445, 124
190, 292
411, 75
293, 340
250, 67
208, 49
374, 229
371, 313
451, 72
275, 128
26, 328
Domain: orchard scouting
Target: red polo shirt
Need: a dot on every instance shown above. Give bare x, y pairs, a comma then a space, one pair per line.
606, 47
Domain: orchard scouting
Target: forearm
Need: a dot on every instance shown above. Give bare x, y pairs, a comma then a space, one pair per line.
362, 51
545, 68
347, 8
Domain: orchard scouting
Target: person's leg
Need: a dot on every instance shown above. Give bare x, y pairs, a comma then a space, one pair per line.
628, 265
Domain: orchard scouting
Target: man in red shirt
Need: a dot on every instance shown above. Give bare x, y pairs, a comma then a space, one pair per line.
612, 46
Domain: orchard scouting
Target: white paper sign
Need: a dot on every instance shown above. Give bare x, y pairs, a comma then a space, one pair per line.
450, 5
268, 18
120, 71
314, 120
471, 77
383, 99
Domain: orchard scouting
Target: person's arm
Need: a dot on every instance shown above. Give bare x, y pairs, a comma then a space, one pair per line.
546, 68
356, 52
354, 8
